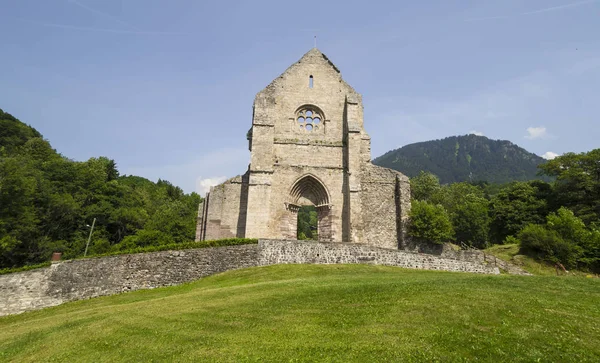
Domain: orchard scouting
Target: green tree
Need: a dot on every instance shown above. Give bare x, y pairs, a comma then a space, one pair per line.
430, 222
514, 207
468, 210
46, 201
424, 186
577, 183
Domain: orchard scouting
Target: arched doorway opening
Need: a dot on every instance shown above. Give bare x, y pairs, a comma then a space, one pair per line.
308, 223
308, 191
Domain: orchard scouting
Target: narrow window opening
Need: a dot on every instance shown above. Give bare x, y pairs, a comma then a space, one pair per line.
310, 82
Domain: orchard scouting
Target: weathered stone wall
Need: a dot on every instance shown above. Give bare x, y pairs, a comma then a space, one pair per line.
449, 251
87, 278
82, 279
282, 252
224, 210
385, 197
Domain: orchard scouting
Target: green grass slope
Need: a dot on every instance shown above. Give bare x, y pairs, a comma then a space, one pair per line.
330, 313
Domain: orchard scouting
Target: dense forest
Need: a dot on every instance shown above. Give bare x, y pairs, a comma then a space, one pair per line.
49, 202
558, 222
465, 158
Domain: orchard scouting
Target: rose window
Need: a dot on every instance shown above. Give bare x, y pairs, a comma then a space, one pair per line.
309, 119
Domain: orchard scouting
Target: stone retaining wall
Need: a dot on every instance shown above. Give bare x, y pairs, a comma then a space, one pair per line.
87, 278
280, 252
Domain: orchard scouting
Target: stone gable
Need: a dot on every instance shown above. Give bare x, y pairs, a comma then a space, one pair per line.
309, 146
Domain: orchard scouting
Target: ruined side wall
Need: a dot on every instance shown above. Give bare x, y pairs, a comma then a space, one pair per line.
385, 198
226, 207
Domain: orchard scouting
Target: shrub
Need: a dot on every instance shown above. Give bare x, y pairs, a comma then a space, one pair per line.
548, 245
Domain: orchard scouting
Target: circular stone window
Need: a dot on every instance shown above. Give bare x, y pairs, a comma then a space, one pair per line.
309, 118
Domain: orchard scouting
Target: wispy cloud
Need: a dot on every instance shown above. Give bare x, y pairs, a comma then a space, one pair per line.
534, 133
102, 30
132, 28
560, 7
538, 11
105, 15
478, 133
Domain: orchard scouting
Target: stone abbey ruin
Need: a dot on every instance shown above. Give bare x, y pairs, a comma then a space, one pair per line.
309, 147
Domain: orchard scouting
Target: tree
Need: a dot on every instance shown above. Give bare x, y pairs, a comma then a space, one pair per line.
514, 207
468, 210
424, 186
430, 222
577, 183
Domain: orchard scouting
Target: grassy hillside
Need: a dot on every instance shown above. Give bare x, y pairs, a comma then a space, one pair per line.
511, 253
465, 158
322, 313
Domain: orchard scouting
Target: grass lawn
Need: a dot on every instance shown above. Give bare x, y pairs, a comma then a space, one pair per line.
338, 313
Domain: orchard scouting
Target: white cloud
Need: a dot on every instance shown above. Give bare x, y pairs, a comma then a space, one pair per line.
549, 155
203, 184
478, 133
536, 133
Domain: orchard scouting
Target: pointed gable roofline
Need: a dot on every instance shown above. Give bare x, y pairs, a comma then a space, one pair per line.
317, 52
312, 54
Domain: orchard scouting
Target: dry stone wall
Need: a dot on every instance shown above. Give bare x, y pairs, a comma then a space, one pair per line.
87, 278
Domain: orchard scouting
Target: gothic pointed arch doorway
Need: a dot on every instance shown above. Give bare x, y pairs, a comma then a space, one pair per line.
308, 190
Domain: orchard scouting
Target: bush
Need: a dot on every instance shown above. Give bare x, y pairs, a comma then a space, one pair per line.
143, 238
180, 246
548, 245
430, 222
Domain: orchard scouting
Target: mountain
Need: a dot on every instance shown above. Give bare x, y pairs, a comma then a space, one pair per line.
465, 158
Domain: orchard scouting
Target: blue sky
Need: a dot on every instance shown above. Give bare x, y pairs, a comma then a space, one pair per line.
166, 87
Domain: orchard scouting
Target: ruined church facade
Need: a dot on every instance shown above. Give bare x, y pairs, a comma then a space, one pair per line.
308, 146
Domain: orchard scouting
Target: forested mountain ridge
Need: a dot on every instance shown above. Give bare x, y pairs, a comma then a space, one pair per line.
465, 158
48, 201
